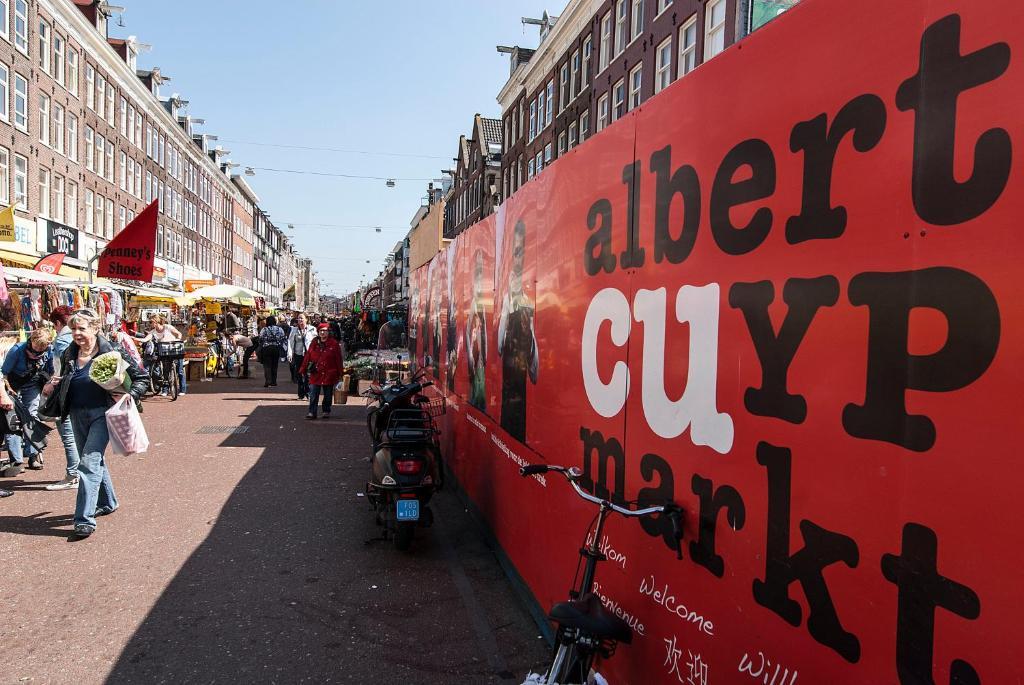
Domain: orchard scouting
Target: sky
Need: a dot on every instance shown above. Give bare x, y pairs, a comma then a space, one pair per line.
403, 77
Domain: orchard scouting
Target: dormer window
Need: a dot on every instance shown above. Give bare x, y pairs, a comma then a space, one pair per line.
131, 57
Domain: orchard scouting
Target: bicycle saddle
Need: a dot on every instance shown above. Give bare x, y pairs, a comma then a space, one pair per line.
588, 614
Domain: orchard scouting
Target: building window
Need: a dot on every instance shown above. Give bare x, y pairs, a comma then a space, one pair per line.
533, 120
5, 171
519, 172
123, 167
663, 5
110, 161
123, 124
44, 119
138, 129
110, 104
44, 46
572, 135
563, 95
72, 213
574, 79
110, 218
606, 41
88, 210
97, 211
101, 102
636, 80
714, 28
561, 143
44, 192
5, 12
58, 59
72, 137
547, 154
618, 99
5, 113
637, 20
21, 26
122, 218
90, 86
602, 112
541, 100
539, 162
100, 164
687, 47
90, 162
620, 26
588, 49
551, 101
72, 71
21, 182
58, 198
58, 128
20, 102
663, 65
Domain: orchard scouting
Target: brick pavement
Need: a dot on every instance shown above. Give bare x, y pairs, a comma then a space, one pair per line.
242, 558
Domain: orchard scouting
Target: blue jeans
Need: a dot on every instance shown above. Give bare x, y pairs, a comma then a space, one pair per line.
314, 395
179, 364
95, 490
67, 436
29, 394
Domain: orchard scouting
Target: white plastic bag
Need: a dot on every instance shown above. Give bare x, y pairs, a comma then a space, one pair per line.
124, 424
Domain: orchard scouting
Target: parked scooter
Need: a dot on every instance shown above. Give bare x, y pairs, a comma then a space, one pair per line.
405, 469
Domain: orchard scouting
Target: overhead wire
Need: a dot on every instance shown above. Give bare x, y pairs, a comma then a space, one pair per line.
334, 149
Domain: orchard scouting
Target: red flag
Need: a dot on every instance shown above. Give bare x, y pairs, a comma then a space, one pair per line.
51, 263
132, 251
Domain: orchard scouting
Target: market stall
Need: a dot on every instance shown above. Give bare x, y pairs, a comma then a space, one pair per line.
219, 312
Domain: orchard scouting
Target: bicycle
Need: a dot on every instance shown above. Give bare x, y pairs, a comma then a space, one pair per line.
163, 374
585, 630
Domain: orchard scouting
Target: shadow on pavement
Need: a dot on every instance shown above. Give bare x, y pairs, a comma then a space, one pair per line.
43, 523
284, 589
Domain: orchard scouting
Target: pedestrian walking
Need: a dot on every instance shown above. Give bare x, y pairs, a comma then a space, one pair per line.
161, 331
6, 405
298, 342
323, 363
271, 342
85, 403
60, 317
26, 369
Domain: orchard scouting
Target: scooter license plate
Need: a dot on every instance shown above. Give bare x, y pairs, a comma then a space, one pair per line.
408, 510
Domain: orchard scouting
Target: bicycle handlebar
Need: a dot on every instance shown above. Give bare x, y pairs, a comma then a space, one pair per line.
671, 509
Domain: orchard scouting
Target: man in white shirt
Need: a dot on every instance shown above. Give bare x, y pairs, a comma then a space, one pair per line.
299, 340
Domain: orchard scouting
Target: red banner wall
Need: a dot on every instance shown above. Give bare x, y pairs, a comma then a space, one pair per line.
782, 293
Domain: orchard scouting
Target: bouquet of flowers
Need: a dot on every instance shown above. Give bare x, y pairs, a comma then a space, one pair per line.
110, 372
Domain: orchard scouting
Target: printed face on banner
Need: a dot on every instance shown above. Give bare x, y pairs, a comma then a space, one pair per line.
477, 247
518, 360
795, 313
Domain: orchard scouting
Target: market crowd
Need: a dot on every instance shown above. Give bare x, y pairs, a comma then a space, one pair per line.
49, 387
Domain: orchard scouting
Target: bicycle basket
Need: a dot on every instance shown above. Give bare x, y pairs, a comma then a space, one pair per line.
436, 407
170, 350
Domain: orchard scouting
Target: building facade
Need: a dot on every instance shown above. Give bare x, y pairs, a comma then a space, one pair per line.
474, 190
87, 141
596, 62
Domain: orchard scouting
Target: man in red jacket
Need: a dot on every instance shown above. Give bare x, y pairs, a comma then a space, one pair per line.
323, 362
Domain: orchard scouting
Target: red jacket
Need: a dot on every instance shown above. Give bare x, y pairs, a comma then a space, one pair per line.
326, 355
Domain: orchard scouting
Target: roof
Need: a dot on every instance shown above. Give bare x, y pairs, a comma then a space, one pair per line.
492, 130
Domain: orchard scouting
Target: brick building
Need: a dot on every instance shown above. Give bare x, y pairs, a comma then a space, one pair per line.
474, 192
595, 62
245, 201
87, 141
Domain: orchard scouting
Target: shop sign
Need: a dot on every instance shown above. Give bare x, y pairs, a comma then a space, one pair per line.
61, 238
795, 310
195, 284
